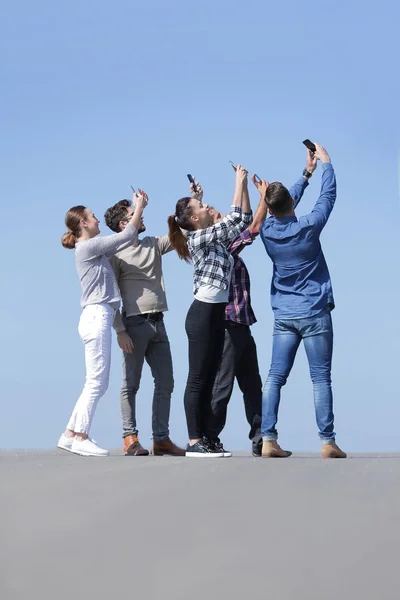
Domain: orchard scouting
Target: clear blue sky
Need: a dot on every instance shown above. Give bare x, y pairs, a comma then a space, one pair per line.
97, 96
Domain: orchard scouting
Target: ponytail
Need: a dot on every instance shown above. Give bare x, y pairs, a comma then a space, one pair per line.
73, 222
177, 239
68, 240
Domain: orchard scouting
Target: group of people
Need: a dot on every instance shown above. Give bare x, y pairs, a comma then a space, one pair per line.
221, 347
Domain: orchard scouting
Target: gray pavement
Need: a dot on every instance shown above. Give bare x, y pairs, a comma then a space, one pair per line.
175, 528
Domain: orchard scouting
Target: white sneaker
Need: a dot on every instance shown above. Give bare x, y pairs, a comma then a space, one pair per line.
87, 448
65, 443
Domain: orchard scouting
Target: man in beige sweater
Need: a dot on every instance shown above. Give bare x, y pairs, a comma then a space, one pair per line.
141, 332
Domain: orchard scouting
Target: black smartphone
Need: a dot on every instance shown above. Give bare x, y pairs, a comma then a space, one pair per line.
191, 179
310, 145
234, 167
133, 189
256, 178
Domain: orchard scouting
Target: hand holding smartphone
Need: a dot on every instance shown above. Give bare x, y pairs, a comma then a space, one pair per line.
192, 181
234, 167
310, 145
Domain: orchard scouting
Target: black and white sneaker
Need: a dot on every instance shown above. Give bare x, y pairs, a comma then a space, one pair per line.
218, 447
202, 449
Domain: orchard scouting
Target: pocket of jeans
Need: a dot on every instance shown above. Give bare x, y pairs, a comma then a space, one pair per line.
316, 325
135, 321
280, 326
326, 321
88, 323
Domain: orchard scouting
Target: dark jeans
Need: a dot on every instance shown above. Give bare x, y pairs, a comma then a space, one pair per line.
205, 330
239, 360
150, 343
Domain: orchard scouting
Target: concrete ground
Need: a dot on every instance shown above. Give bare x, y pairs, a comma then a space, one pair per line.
174, 528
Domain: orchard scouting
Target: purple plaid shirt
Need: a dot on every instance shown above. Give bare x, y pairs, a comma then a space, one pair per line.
239, 308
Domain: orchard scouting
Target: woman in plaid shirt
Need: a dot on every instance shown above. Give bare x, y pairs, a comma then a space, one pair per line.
204, 247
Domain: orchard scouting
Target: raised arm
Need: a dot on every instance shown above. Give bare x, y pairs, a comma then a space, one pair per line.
262, 208
246, 208
226, 229
111, 244
326, 201
246, 238
297, 190
232, 224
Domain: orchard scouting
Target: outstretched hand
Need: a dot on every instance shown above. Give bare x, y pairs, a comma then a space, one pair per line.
311, 161
261, 184
196, 190
241, 175
321, 154
140, 199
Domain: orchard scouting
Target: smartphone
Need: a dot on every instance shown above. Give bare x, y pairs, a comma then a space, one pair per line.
133, 189
310, 145
257, 179
233, 165
192, 181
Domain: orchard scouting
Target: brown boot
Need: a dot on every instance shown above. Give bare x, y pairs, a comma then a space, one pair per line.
132, 447
332, 450
162, 447
273, 450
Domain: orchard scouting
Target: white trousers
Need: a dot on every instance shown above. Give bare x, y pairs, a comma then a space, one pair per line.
95, 331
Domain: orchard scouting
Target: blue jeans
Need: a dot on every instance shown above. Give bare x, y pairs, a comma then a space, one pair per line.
317, 334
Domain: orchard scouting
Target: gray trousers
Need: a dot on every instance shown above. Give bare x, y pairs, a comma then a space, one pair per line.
150, 342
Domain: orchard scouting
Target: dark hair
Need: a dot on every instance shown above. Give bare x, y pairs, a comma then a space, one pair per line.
180, 220
73, 222
115, 214
278, 199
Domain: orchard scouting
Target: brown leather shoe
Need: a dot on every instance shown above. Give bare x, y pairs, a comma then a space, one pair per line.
273, 450
132, 447
332, 450
162, 447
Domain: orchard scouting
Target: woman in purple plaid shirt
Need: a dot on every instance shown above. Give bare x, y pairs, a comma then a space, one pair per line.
204, 247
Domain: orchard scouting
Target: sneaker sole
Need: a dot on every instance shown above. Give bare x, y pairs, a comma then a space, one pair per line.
68, 449
89, 453
204, 455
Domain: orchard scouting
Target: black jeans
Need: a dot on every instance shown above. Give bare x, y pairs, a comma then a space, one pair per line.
239, 360
205, 330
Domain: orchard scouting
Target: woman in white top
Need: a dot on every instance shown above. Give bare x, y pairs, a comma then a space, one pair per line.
100, 301
204, 246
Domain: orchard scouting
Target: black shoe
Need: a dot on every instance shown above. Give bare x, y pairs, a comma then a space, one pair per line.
202, 449
257, 448
218, 447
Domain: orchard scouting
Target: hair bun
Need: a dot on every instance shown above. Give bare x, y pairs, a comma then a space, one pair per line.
68, 240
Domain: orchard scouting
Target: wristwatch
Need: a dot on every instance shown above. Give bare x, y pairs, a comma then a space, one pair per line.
307, 174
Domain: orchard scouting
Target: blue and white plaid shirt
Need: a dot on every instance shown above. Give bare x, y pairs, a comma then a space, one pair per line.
211, 260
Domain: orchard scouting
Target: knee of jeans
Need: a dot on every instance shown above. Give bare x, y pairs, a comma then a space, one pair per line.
321, 376
98, 387
164, 387
321, 383
129, 389
276, 378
